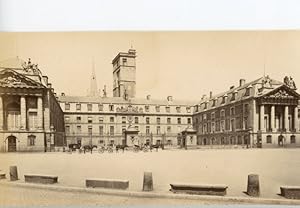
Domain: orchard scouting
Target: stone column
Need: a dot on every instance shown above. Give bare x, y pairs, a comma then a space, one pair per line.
262, 118
1, 113
296, 119
40, 112
23, 113
272, 119
286, 118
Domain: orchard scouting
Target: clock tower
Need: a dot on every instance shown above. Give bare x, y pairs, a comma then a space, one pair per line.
124, 74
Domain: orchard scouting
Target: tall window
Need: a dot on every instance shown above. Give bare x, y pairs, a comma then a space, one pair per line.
136, 120
78, 106
189, 120
101, 131
111, 119
90, 119
89, 107
178, 120
13, 120
90, 130
67, 106
147, 130
78, 129
32, 120
111, 130
100, 107
101, 119
67, 129
168, 120
31, 140
269, 139
232, 111
78, 118
167, 109
147, 120
169, 129
158, 130
158, 120
178, 109
123, 120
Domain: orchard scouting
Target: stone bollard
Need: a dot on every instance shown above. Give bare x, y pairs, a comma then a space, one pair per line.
13, 173
148, 182
253, 185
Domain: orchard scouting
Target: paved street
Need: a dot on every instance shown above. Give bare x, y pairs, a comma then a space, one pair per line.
13, 196
275, 167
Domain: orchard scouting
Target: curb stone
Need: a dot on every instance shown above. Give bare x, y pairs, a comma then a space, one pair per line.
126, 193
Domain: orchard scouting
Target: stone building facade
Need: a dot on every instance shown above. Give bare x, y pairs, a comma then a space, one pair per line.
30, 116
103, 120
261, 113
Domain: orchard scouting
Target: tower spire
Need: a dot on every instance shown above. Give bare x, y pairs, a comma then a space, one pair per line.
93, 88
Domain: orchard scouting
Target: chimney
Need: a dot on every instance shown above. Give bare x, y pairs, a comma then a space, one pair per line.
45, 78
148, 97
170, 98
210, 94
62, 94
242, 82
231, 87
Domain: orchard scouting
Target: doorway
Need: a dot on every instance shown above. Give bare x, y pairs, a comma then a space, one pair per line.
12, 144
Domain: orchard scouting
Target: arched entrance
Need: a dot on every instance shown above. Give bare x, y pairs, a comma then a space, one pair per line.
11, 144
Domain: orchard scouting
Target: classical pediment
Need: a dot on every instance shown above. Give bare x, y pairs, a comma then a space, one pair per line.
282, 92
10, 78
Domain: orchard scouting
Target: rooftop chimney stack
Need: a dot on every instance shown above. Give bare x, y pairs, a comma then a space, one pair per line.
62, 94
148, 97
210, 94
242, 82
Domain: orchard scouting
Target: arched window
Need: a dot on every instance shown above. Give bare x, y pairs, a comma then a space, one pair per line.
31, 140
269, 139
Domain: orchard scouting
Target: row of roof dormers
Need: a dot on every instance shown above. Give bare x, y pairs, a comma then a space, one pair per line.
119, 100
27, 69
244, 91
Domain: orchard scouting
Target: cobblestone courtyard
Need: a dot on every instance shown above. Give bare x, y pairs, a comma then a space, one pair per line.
275, 167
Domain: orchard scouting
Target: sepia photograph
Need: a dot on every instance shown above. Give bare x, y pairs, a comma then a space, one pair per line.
138, 118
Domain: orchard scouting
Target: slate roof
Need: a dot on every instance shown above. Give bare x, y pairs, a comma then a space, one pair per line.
120, 100
256, 90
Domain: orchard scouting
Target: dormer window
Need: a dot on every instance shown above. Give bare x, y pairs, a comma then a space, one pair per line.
247, 93
205, 105
213, 103
224, 99
233, 97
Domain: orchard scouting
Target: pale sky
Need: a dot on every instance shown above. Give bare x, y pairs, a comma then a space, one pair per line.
183, 64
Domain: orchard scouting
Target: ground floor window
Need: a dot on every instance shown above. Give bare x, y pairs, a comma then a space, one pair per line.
101, 142
293, 139
31, 140
169, 142
269, 139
